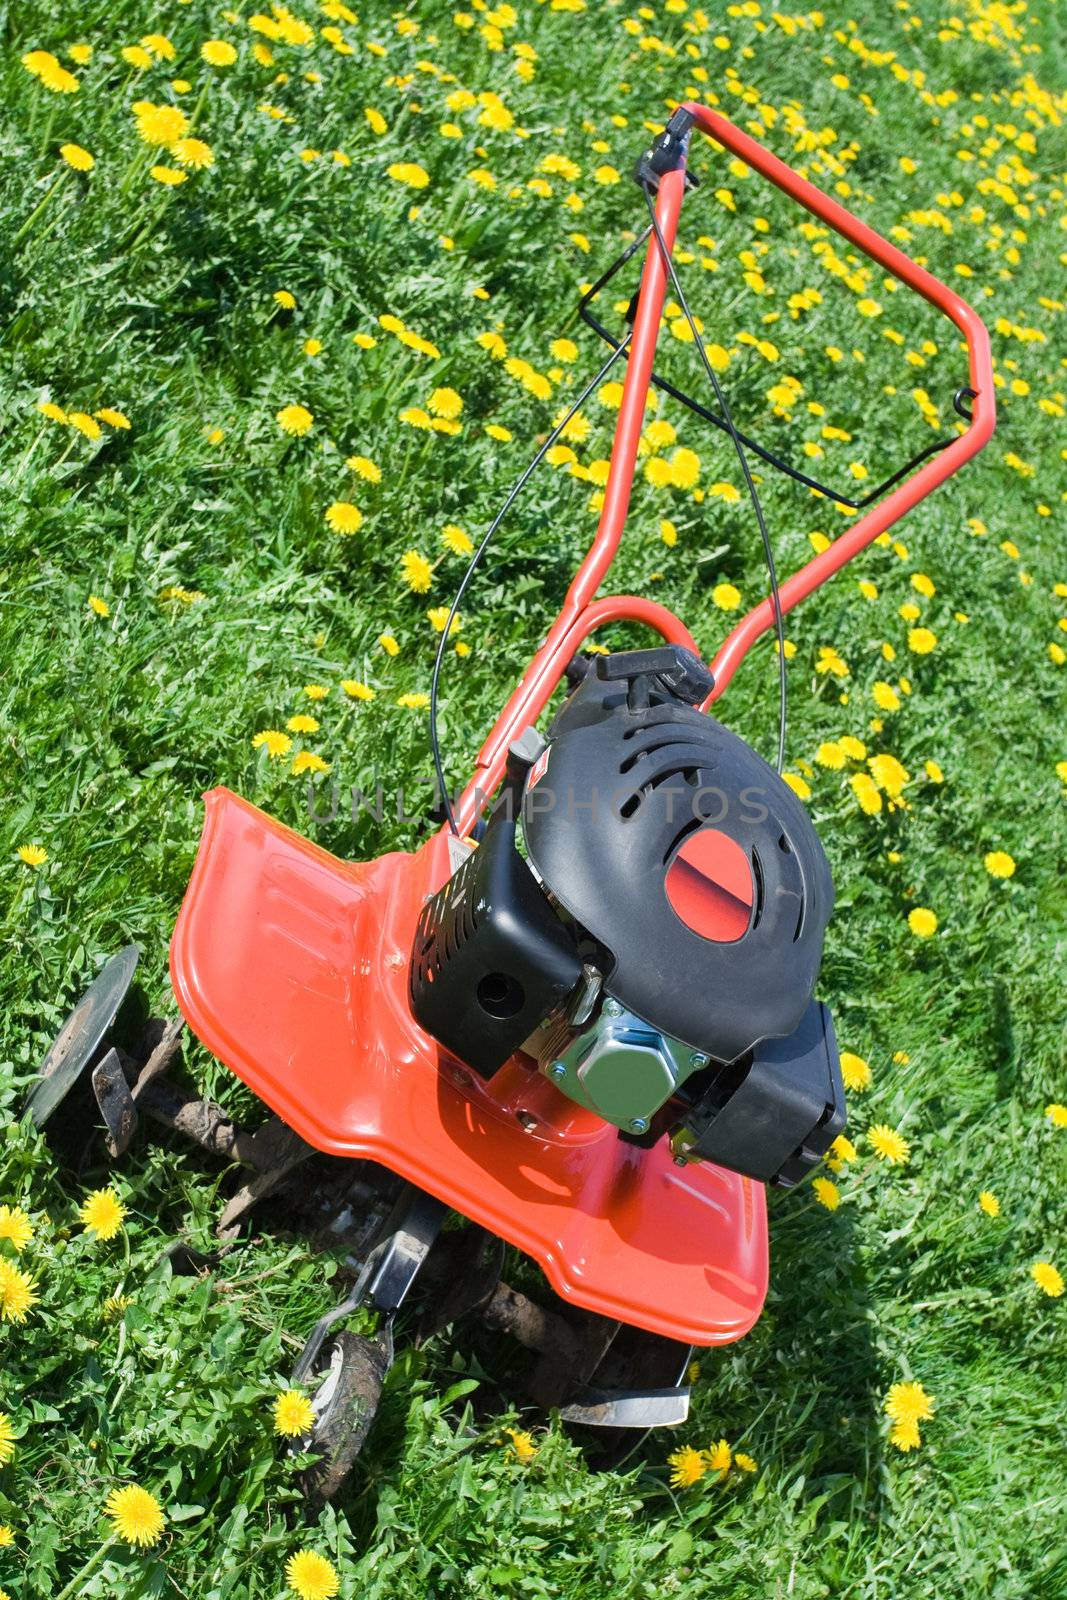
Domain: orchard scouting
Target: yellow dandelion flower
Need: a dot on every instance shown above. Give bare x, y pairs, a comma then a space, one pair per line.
1047, 1278
18, 1292
826, 1193
7, 1536
801, 789
81, 54
295, 420
355, 690
1056, 1114
726, 597
311, 1576
905, 1435
413, 702
98, 606
193, 153
908, 1402
274, 742
85, 424
136, 1515
747, 1463
416, 571
501, 435
57, 78
389, 644
157, 44
522, 1444
316, 691
725, 491
302, 723
854, 748
889, 1145
170, 177
7, 1439
989, 1203
375, 120
999, 864
286, 300
113, 418
685, 468
77, 157
830, 754
454, 538
564, 350
293, 1413
218, 53
445, 403
921, 641
409, 173
135, 55
855, 1072
343, 517
162, 125
32, 855
687, 1466
306, 761
364, 468
54, 413
922, 922
15, 1225
102, 1213
719, 1457
437, 616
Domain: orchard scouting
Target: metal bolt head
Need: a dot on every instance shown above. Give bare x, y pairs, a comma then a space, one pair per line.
612, 1008
639, 1125
557, 1070
698, 1059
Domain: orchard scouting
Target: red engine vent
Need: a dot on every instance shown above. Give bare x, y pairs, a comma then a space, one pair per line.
709, 885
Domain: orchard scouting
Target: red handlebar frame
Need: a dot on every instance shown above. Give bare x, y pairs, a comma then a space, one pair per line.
580, 613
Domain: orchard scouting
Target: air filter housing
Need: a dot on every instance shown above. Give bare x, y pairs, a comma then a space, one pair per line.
678, 849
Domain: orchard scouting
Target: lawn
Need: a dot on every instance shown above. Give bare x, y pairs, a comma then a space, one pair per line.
212, 218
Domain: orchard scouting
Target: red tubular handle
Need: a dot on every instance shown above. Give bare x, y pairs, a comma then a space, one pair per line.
547, 667
580, 613
908, 494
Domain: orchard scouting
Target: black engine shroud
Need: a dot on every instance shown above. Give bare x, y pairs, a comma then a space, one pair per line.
669, 860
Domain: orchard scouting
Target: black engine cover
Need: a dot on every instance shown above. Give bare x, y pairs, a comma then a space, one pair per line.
685, 856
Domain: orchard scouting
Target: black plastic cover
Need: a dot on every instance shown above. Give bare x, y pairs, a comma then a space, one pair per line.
491, 958
623, 788
774, 1114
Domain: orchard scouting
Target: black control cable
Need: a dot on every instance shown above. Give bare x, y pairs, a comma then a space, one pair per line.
435, 746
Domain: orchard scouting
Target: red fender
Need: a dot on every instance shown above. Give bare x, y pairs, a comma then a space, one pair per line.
292, 967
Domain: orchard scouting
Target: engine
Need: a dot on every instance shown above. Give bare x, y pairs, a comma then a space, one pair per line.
643, 920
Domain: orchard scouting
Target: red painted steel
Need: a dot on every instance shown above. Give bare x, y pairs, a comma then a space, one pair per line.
908, 494
292, 967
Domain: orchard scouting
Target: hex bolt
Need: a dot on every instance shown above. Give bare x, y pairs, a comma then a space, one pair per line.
557, 1070
612, 1008
698, 1059
639, 1125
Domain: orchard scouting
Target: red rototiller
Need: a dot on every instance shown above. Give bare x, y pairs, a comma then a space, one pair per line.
598, 1047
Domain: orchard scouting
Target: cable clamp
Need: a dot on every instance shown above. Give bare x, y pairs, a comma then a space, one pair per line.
668, 152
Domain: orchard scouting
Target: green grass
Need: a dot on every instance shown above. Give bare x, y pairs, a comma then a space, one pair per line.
117, 291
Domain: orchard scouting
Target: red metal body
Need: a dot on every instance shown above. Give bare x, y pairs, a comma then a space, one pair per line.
292, 966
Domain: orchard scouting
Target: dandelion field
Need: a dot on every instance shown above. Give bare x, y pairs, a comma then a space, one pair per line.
287, 299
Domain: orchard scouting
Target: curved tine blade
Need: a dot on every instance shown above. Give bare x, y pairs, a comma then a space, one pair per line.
80, 1036
629, 1408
